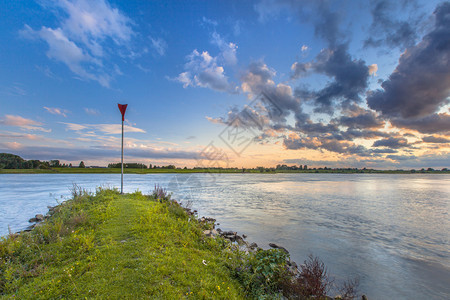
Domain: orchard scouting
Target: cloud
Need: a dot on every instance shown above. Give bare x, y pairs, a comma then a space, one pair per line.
278, 99
91, 111
105, 128
373, 68
435, 139
420, 84
385, 30
95, 153
435, 123
83, 37
360, 119
349, 79
205, 20
392, 142
57, 111
341, 147
15, 90
94, 21
159, 45
228, 49
23, 123
202, 70
304, 48
326, 21
401, 157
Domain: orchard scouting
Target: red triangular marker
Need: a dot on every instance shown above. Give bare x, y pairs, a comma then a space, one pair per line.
123, 108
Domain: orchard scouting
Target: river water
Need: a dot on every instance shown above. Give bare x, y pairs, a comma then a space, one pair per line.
390, 231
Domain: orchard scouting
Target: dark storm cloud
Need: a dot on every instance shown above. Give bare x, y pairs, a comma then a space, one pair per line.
367, 119
392, 142
435, 139
435, 123
352, 134
382, 151
328, 23
401, 157
341, 147
385, 30
420, 85
349, 79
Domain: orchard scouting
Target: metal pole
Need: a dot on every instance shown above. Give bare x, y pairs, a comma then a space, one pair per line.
121, 178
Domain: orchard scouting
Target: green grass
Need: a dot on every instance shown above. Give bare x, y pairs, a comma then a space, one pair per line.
117, 246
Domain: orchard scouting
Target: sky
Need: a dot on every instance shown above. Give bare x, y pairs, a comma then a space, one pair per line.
227, 83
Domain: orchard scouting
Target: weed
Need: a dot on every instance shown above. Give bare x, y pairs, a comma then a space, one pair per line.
160, 193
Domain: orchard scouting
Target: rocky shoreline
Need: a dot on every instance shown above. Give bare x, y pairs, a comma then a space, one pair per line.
246, 246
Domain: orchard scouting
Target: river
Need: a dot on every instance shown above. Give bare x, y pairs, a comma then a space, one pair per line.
391, 231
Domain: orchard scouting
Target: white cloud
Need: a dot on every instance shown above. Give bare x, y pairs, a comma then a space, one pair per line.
104, 128
94, 21
91, 111
57, 111
304, 48
203, 71
228, 50
23, 123
159, 45
80, 40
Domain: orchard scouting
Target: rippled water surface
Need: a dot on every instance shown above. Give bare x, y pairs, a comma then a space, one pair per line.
391, 231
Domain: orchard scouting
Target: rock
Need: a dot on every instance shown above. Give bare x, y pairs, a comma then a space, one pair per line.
364, 297
29, 228
32, 220
253, 246
39, 217
210, 233
244, 236
241, 241
273, 245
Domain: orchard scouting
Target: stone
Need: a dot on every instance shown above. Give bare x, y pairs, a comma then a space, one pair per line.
275, 246
39, 217
253, 246
364, 297
241, 241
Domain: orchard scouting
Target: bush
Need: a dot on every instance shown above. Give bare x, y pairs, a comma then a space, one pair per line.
263, 272
160, 193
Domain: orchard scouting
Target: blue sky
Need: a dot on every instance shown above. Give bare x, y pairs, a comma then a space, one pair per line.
323, 83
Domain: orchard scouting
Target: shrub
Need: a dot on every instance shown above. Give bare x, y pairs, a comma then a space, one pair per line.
263, 272
160, 193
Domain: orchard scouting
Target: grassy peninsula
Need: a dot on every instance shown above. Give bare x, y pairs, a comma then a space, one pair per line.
116, 246
133, 246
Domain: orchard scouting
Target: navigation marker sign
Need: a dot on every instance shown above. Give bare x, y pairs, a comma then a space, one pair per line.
122, 108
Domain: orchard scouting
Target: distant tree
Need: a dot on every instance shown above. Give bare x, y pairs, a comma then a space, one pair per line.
55, 163
305, 167
70, 165
150, 166
81, 165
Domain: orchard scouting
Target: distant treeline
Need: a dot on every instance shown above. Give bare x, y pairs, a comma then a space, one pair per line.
139, 166
11, 161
